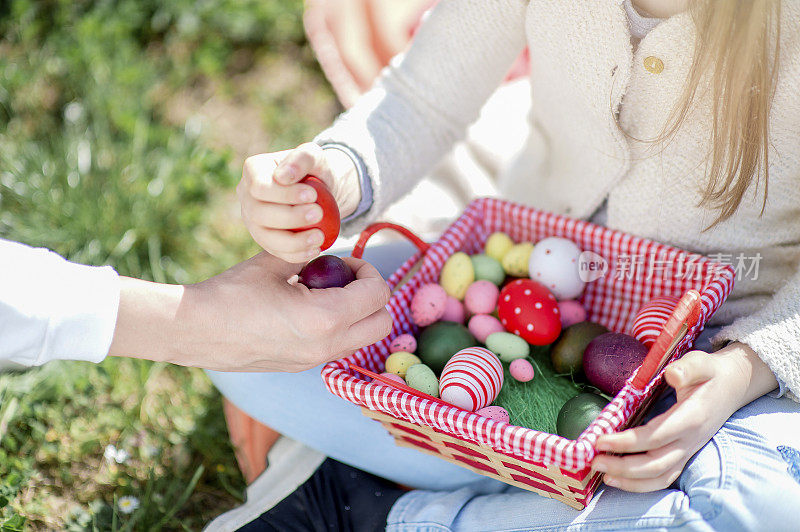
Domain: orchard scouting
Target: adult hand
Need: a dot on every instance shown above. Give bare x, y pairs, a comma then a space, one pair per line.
251, 318
709, 388
274, 201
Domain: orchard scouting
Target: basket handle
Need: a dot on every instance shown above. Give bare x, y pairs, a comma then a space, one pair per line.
683, 318
366, 234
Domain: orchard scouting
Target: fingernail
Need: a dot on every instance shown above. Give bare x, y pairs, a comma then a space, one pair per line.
306, 196
602, 446
599, 467
610, 481
313, 253
284, 173
315, 240
313, 215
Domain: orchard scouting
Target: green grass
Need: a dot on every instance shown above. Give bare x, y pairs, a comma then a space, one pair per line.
91, 167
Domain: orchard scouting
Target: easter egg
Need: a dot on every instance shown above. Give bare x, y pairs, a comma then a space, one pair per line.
515, 262
496, 413
554, 263
471, 379
393, 377
567, 352
521, 370
331, 221
428, 303
404, 342
399, 362
326, 271
572, 312
457, 274
421, 377
652, 317
440, 341
507, 346
481, 297
482, 325
488, 269
497, 245
578, 413
529, 310
454, 310
611, 358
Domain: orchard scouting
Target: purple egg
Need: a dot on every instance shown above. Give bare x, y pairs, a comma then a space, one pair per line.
610, 359
327, 271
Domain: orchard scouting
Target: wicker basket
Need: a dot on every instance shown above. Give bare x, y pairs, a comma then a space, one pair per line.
544, 463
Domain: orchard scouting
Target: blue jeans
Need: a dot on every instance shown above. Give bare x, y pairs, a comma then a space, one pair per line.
738, 481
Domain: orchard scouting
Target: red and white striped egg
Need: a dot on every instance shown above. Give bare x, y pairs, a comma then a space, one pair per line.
471, 379
651, 318
529, 310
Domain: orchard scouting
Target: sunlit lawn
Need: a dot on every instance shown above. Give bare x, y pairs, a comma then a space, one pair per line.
122, 127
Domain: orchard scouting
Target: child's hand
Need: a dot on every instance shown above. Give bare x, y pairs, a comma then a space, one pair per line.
274, 201
709, 388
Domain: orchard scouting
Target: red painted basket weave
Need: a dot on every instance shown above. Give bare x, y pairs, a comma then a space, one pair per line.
545, 463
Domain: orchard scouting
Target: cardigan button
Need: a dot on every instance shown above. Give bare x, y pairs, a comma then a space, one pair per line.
654, 65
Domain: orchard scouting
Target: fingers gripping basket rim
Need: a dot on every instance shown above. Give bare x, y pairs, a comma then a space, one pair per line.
610, 301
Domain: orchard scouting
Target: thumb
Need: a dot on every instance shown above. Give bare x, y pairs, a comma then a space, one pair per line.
695, 367
301, 161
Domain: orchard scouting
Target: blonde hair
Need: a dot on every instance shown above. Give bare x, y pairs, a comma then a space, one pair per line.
737, 43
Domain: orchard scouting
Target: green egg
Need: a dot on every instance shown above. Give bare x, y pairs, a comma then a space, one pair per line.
421, 377
442, 340
507, 346
578, 413
488, 269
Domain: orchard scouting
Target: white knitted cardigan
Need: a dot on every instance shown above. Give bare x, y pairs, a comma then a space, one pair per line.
578, 154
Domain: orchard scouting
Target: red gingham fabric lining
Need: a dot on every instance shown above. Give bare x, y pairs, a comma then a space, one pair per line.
610, 301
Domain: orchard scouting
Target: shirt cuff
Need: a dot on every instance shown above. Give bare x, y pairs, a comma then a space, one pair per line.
363, 179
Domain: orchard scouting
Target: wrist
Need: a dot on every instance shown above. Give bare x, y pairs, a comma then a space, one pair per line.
347, 185
752, 376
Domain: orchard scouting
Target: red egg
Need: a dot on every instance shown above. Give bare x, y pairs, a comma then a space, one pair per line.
331, 221
528, 309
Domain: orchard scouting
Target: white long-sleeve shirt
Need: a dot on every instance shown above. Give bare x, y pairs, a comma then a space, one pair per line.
52, 309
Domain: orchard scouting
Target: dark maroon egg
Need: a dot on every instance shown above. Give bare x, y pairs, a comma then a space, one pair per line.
326, 271
610, 359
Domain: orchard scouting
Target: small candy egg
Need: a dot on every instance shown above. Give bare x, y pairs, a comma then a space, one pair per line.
399, 362
497, 245
488, 268
428, 303
508, 347
515, 262
457, 274
454, 311
404, 342
554, 263
471, 379
521, 370
572, 312
421, 377
481, 297
482, 325
392, 376
496, 413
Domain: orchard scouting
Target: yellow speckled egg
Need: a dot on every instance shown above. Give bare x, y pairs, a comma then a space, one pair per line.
497, 245
399, 362
515, 263
457, 274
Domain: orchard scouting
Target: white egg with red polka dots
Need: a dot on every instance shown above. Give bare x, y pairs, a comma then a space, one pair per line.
554, 263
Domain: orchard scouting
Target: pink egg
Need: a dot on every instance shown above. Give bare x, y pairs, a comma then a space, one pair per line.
521, 370
393, 377
454, 310
481, 297
496, 413
404, 342
572, 312
428, 304
482, 325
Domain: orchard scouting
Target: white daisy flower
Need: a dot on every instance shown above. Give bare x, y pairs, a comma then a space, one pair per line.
119, 456
128, 504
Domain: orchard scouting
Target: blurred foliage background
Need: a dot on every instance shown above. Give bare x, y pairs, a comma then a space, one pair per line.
123, 125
